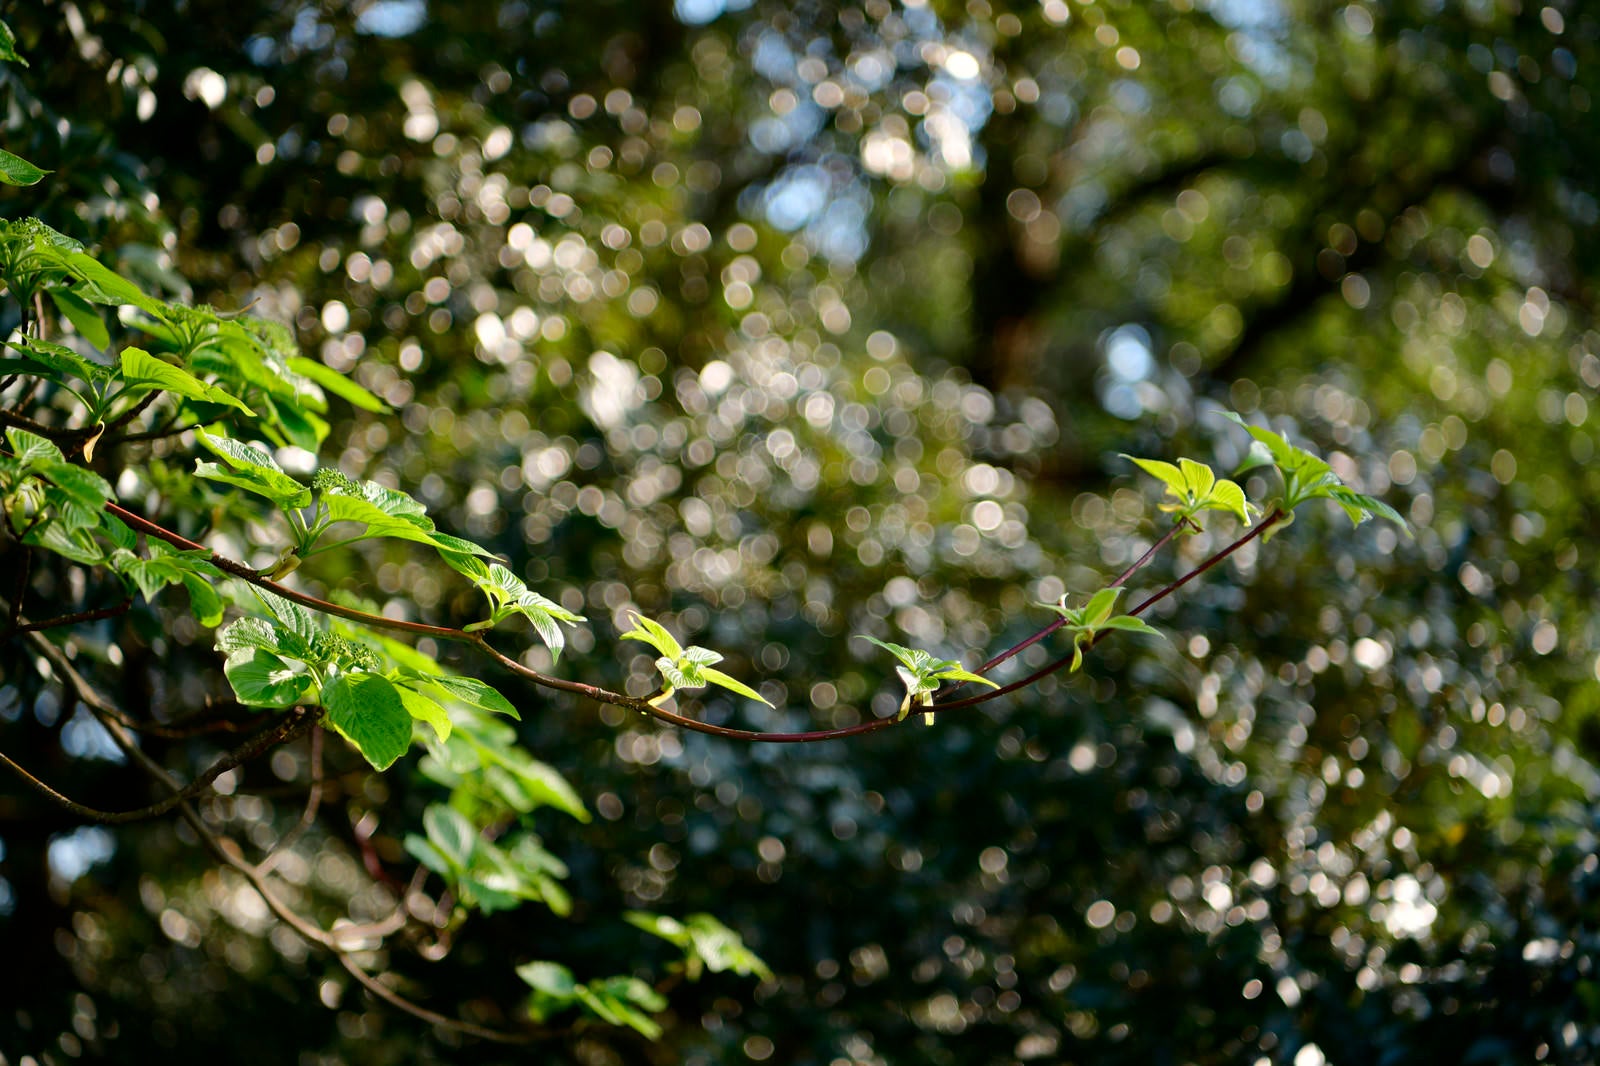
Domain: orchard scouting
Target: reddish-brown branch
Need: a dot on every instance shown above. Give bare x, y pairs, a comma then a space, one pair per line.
644, 706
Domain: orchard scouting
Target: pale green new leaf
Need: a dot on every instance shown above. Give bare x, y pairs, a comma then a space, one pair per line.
1228, 496
717, 677
337, 384
366, 710
473, 693
655, 635
140, 368
103, 285
426, 710
32, 449
261, 679
84, 318
8, 46
247, 633
61, 360
1169, 475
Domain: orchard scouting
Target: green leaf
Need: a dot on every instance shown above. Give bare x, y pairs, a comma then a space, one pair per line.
141, 368
424, 709
549, 979
1197, 477
8, 46
366, 710
655, 635
251, 469
103, 285
914, 659
544, 614
717, 677
1360, 507
14, 170
1228, 496
337, 384
78, 545
1128, 624
722, 949
1168, 474
60, 359
430, 856
261, 679
246, 633
32, 449
965, 675
474, 693
295, 619
542, 783
170, 566
614, 999
379, 523
450, 546
204, 601
281, 489
84, 487
1100, 605
659, 925
84, 318
450, 831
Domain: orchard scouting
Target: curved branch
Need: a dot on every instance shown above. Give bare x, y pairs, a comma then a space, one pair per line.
1271, 519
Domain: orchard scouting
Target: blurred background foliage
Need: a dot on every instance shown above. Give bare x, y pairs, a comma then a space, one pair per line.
786, 321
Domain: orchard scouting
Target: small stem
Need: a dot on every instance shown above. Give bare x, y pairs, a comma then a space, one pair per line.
75, 619
320, 548
1271, 519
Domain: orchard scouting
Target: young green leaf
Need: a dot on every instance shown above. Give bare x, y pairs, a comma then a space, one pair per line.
252, 469
14, 170
686, 668
261, 679
338, 384
654, 634
1085, 624
1194, 488
366, 710
424, 709
923, 674
145, 371
1307, 477
473, 693
84, 318
8, 46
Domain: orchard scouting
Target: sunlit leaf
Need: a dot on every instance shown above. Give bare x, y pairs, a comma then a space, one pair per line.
366, 710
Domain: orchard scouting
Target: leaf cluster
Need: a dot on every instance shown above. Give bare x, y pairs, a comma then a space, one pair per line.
1308, 477
1086, 624
680, 667
924, 673
1194, 488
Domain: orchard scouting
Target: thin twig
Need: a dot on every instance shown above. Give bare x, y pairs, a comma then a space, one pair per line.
292, 724
75, 619
972, 701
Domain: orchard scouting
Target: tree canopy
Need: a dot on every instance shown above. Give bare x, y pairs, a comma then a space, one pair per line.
542, 396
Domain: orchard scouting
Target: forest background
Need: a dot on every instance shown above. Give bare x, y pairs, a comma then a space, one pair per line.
785, 322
